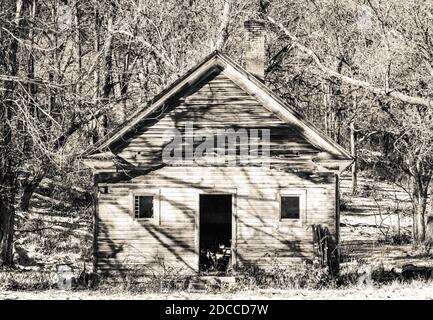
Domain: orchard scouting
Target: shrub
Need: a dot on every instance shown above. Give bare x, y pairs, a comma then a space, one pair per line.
352, 272
422, 250
278, 276
161, 278
344, 204
399, 238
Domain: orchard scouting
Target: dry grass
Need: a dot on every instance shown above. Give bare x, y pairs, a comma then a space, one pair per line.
395, 290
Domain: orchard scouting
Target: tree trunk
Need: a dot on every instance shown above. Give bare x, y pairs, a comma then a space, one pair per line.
326, 94
8, 163
31, 60
223, 32
420, 207
96, 74
54, 71
28, 185
353, 154
26, 194
7, 218
102, 126
422, 204
125, 78
108, 73
27, 189
429, 220
78, 50
96, 48
336, 108
108, 80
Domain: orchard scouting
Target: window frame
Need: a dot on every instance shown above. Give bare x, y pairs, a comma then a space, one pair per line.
155, 194
302, 195
153, 206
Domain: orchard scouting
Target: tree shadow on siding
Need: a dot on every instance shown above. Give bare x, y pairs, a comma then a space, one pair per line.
231, 181
156, 232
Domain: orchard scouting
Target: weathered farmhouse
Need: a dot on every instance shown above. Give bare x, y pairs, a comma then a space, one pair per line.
157, 203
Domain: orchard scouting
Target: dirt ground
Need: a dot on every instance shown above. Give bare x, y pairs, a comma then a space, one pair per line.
415, 290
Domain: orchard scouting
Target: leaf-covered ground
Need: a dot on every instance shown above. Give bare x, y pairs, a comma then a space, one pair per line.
53, 233
376, 226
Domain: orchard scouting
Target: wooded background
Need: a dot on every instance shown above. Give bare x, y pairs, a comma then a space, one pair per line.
71, 70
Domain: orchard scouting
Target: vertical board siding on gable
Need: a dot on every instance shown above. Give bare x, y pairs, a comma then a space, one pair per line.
123, 242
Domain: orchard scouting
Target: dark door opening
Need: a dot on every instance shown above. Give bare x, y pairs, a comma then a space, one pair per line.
215, 232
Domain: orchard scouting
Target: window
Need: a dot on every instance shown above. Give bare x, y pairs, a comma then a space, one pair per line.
103, 190
290, 207
143, 207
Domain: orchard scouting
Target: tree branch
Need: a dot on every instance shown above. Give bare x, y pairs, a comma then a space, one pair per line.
36, 81
75, 125
354, 82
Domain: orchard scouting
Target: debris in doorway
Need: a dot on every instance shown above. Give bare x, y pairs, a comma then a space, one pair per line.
215, 260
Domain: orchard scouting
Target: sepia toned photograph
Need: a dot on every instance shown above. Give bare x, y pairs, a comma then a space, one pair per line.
210, 151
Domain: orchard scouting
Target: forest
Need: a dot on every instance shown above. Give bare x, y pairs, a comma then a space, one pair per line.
71, 71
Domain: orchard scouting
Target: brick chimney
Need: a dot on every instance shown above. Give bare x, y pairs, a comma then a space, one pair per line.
255, 48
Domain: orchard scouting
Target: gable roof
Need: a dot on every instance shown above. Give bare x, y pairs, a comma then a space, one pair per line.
246, 81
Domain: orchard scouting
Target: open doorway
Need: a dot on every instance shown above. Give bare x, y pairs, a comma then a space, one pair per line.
215, 232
